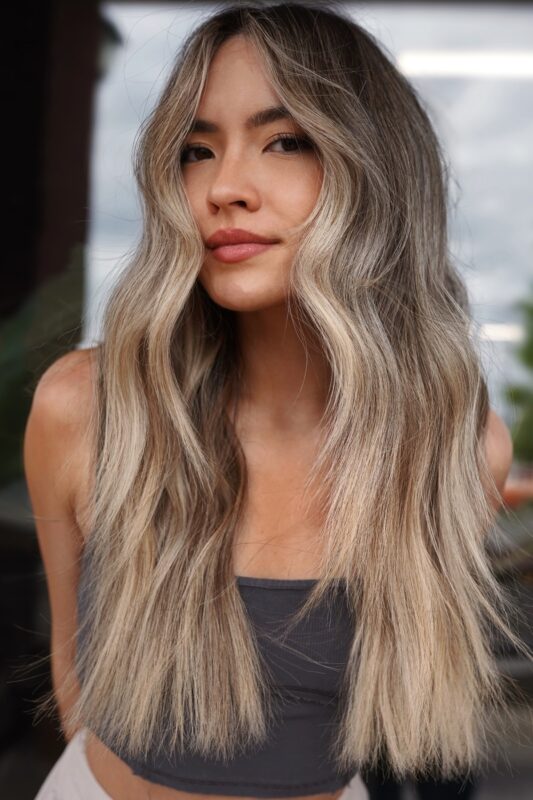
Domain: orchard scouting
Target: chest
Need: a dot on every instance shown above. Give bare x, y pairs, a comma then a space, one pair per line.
280, 531
280, 534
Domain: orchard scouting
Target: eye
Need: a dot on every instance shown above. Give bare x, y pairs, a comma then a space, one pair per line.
298, 142
190, 149
296, 145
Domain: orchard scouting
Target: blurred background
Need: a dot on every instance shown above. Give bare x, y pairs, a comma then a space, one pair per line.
82, 77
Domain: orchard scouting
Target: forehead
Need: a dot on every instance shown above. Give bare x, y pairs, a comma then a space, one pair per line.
236, 81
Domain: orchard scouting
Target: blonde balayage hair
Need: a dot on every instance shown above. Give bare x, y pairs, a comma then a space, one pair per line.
170, 658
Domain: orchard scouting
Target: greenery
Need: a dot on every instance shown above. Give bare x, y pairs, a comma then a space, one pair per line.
521, 396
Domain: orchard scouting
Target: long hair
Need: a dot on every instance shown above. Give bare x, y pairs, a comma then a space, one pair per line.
401, 474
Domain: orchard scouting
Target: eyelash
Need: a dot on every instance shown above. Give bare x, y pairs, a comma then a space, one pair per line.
303, 144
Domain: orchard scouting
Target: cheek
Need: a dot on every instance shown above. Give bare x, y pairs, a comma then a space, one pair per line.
298, 196
293, 194
193, 193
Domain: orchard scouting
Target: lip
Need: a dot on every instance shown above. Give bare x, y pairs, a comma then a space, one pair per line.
230, 253
235, 236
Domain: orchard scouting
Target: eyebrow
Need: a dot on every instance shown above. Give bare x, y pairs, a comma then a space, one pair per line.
262, 117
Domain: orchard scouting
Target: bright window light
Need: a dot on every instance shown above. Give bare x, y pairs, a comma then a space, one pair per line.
515, 64
501, 332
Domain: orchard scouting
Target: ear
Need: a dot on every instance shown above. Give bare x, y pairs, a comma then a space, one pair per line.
499, 454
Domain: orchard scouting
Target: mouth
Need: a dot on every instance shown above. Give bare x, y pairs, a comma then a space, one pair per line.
230, 253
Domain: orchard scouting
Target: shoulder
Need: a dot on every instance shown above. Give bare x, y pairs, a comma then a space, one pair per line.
498, 448
58, 423
66, 383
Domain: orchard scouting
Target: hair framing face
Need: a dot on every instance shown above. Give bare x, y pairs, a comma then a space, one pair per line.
401, 470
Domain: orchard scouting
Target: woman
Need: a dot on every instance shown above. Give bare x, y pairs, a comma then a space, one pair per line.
286, 423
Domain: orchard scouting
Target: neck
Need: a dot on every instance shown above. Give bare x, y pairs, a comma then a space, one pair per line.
284, 386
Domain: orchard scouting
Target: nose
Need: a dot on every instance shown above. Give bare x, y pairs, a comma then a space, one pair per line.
233, 182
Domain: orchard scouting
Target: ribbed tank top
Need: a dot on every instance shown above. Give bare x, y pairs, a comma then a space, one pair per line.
307, 669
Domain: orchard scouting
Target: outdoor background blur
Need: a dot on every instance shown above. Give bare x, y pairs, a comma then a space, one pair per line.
83, 76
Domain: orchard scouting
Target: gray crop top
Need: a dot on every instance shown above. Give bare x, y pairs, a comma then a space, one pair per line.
307, 670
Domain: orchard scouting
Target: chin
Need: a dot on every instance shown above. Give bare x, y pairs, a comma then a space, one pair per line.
230, 294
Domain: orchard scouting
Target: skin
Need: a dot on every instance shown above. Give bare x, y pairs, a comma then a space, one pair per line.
247, 180
240, 178
241, 182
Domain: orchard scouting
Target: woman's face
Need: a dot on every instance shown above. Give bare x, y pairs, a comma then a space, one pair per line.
239, 176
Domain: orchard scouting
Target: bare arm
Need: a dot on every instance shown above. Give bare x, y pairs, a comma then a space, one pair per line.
52, 466
499, 451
